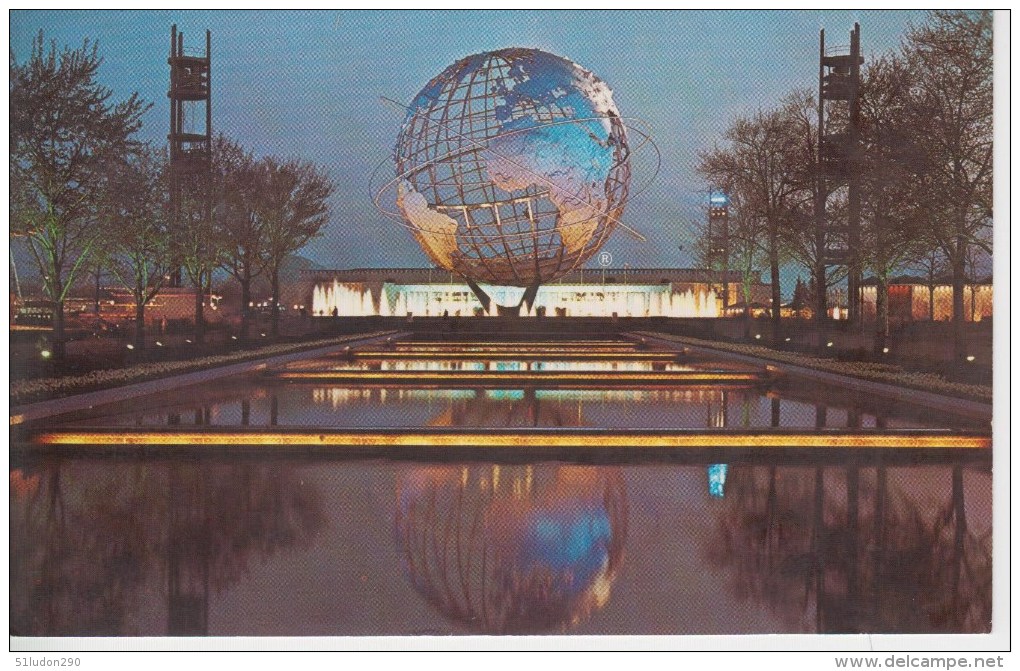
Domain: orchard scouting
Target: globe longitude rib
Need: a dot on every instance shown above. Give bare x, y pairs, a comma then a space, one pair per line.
552, 185
497, 66
519, 241
646, 139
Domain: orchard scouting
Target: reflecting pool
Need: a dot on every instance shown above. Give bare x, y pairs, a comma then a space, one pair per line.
148, 539
270, 546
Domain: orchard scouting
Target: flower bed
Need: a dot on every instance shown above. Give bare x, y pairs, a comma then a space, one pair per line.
23, 391
875, 372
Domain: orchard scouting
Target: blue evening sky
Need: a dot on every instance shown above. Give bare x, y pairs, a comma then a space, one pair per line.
309, 84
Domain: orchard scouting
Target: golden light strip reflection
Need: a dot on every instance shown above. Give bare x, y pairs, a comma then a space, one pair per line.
559, 438
515, 354
510, 343
424, 377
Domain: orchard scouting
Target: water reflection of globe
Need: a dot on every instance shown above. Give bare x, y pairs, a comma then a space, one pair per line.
512, 549
512, 167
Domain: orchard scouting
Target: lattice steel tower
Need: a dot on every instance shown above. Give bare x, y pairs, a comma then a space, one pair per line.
190, 135
719, 240
839, 111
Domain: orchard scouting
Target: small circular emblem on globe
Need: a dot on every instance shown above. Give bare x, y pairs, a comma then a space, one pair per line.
512, 167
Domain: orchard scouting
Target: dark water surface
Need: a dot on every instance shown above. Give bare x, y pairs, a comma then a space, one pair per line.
152, 542
263, 546
267, 404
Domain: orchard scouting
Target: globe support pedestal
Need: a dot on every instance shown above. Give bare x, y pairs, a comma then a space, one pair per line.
528, 300
483, 297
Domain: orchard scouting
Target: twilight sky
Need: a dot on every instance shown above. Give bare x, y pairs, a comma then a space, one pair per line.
308, 84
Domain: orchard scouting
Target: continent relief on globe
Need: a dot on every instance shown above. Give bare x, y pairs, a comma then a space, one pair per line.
551, 133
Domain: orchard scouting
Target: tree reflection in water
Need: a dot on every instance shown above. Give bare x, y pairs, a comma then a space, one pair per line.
841, 549
102, 551
512, 549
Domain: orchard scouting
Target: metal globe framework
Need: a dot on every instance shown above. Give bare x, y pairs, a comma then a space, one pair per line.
513, 167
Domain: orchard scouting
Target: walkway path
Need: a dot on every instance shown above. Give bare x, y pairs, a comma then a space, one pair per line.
882, 379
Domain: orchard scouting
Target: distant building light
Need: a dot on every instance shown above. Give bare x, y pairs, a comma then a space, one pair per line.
970, 358
233, 337
885, 350
717, 480
159, 344
130, 346
787, 340
828, 344
757, 336
46, 354
187, 341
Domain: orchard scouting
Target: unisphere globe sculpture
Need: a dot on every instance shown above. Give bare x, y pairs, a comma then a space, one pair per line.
512, 167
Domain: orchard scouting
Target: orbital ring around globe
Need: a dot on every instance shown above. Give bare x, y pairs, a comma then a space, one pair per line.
632, 124
513, 167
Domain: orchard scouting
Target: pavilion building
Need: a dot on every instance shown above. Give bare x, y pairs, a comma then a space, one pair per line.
621, 292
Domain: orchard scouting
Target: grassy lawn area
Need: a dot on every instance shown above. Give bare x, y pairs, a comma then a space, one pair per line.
39, 389
874, 372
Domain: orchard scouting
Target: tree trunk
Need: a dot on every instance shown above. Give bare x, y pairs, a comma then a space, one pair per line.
931, 302
245, 307
199, 311
95, 297
59, 346
959, 280
275, 289
959, 528
777, 335
850, 555
747, 309
140, 318
821, 304
881, 313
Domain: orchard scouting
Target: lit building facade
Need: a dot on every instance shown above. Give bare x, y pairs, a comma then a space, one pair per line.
912, 300
627, 292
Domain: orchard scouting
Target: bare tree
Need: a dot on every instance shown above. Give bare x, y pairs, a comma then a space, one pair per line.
197, 245
932, 265
139, 236
64, 131
892, 225
950, 57
801, 237
240, 224
747, 251
294, 210
764, 159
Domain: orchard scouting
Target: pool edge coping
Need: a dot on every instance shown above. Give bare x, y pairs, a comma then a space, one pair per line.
55, 407
969, 407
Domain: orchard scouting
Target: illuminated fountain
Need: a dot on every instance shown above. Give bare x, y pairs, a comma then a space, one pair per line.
351, 299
